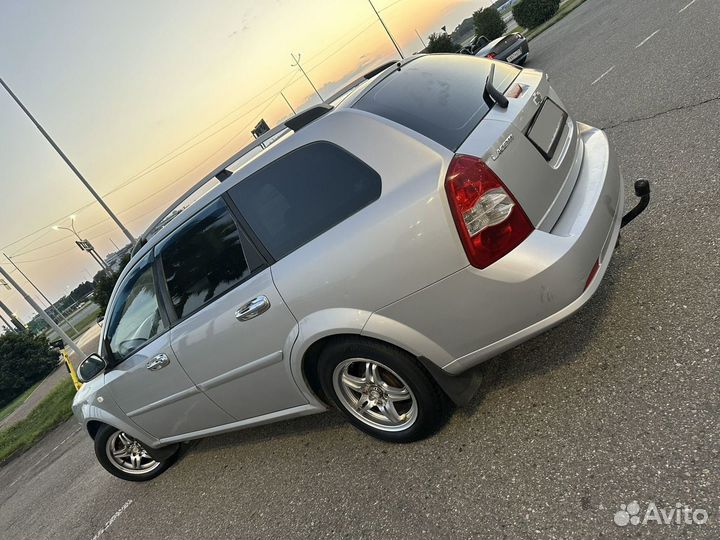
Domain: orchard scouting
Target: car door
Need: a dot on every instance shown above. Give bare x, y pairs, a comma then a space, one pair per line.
147, 382
229, 323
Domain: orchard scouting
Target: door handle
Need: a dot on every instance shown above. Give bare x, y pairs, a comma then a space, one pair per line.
158, 361
256, 306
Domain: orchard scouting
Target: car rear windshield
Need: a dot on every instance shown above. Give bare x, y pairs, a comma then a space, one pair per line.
505, 42
303, 194
439, 96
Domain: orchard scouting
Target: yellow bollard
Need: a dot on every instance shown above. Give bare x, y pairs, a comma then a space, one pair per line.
73, 375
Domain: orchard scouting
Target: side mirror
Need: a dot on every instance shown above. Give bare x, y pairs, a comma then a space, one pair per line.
100, 320
91, 367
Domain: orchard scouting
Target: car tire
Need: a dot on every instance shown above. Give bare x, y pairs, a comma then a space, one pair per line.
382, 390
109, 445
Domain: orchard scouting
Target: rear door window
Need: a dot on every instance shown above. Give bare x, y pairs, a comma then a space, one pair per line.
303, 194
439, 96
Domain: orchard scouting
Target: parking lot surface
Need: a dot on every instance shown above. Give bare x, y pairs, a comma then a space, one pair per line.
618, 404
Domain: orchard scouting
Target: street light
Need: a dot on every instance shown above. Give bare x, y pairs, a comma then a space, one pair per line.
67, 161
84, 245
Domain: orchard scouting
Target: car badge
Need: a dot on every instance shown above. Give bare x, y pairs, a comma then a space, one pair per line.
502, 147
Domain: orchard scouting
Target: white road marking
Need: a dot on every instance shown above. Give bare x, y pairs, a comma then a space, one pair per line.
39, 461
601, 76
690, 4
644, 41
112, 519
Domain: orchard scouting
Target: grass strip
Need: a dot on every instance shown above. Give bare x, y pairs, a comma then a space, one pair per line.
49, 413
11, 407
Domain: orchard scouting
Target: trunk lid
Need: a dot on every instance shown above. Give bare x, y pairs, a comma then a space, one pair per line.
533, 147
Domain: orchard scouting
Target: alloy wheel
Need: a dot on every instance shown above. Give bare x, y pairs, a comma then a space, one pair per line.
128, 454
375, 394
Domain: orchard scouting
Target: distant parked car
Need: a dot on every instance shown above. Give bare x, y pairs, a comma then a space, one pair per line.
478, 43
511, 48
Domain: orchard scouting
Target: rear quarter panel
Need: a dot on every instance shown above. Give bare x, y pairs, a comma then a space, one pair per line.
404, 241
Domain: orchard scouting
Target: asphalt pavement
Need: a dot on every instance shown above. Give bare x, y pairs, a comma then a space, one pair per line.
618, 404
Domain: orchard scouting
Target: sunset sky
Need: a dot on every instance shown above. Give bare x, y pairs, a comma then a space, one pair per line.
147, 97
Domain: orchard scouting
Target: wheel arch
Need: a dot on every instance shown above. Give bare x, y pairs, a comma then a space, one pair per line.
459, 388
318, 330
93, 426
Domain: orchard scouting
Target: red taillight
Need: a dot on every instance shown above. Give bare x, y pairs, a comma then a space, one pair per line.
491, 55
490, 221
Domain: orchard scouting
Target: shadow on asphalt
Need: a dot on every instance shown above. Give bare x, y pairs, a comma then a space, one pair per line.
279, 430
549, 350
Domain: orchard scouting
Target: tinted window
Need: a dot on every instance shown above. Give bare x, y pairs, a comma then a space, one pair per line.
303, 194
204, 258
439, 96
505, 42
135, 316
489, 46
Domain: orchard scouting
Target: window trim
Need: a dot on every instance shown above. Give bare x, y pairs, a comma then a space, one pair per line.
245, 227
245, 240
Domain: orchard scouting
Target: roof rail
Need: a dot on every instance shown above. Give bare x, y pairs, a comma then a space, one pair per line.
220, 172
293, 123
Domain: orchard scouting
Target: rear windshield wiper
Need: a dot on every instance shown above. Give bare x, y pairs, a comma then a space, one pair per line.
493, 92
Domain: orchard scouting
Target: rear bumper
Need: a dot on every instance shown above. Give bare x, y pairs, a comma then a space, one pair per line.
534, 287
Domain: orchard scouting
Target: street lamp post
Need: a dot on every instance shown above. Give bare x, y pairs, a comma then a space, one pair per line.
19, 327
69, 163
84, 245
42, 294
8, 326
69, 342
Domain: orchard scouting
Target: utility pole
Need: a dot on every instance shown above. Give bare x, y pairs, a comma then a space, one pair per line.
49, 139
297, 63
69, 342
421, 39
386, 29
41, 294
288, 103
113, 243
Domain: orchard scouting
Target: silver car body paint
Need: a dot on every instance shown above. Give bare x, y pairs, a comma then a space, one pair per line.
395, 271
